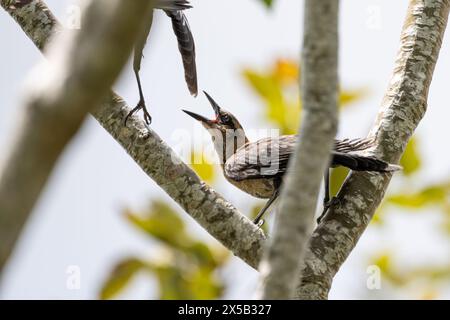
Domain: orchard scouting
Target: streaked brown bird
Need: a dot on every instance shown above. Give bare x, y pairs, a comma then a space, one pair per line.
257, 168
186, 46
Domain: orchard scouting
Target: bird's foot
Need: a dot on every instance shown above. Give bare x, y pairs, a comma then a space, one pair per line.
333, 201
140, 106
259, 222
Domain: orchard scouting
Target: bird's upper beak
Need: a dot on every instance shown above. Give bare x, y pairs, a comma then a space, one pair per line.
207, 122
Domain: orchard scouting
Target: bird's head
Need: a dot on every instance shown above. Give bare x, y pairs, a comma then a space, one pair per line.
225, 130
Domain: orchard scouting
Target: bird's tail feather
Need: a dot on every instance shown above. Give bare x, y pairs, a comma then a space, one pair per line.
186, 46
172, 4
363, 163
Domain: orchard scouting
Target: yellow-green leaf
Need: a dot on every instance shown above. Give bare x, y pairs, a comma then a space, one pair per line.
432, 195
119, 278
410, 160
349, 96
203, 166
163, 223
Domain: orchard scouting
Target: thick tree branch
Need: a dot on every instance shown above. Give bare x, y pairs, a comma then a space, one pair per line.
158, 161
402, 109
294, 221
82, 67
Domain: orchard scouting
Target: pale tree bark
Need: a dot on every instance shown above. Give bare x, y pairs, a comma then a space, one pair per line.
154, 156
295, 218
83, 65
403, 107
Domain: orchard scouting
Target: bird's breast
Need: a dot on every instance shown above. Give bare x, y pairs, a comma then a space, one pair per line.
259, 188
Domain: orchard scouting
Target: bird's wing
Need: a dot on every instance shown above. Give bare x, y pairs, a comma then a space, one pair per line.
268, 158
265, 158
186, 46
353, 145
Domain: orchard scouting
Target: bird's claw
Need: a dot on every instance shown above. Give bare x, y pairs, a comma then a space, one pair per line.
259, 223
334, 201
140, 106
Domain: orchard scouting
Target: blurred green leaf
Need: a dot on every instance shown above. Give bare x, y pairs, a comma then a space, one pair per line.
402, 277
267, 3
186, 268
278, 111
278, 87
204, 167
347, 97
410, 160
171, 283
432, 195
162, 223
203, 254
178, 283
120, 277
205, 285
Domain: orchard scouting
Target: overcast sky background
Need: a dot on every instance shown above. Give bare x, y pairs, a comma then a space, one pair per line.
78, 220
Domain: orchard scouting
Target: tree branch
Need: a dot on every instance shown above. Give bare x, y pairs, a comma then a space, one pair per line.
83, 66
294, 221
158, 161
402, 109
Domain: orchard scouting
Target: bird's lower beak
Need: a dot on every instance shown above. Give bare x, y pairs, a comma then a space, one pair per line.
199, 117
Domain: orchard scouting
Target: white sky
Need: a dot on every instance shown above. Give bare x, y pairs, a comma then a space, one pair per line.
78, 221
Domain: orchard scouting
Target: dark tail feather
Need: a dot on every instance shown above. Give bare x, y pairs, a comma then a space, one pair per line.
172, 4
363, 163
186, 47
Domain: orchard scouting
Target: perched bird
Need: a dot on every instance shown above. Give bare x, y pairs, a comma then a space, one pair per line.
257, 168
186, 46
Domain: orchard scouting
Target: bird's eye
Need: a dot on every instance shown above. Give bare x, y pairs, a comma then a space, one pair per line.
225, 118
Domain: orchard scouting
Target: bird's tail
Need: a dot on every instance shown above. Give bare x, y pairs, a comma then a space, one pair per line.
363, 163
186, 46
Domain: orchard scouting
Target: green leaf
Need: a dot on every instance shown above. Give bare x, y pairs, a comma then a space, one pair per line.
119, 278
162, 223
347, 97
202, 253
180, 282
267, 3
204, 167
278, 109
432, 195
204, 284
410, 160
278, 87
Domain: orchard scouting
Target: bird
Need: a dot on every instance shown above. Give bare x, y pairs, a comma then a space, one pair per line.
258, 167
186, 45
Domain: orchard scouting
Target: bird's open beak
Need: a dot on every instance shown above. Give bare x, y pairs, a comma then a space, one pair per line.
198, 117
202, 119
